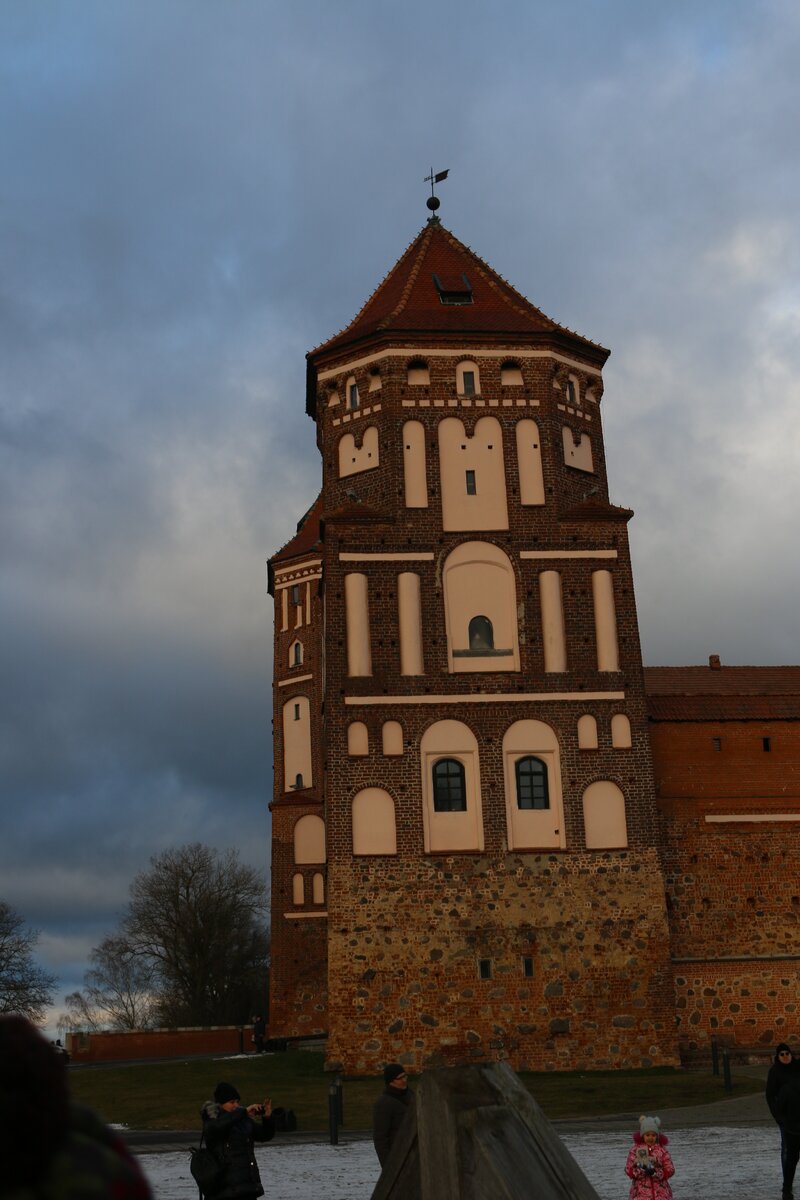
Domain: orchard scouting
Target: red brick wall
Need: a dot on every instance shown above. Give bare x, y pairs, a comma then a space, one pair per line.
157, 1043
733, 889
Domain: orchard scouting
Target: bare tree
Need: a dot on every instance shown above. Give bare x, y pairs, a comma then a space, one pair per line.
119, 990
197, 917
24, 988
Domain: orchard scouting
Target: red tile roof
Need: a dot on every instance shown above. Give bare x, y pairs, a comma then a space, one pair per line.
408, 299
308, 535
722, 693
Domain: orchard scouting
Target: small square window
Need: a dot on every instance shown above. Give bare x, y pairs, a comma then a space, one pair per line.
468, 384
484, 968
527, 966
471, 489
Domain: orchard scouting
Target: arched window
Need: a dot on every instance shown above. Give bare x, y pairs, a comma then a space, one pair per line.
532, 789
298, 783
532, 774
449, 786
296, 654
481, 634
468, 380
452, 811
481, 609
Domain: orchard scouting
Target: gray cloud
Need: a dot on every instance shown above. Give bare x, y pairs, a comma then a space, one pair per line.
193, 196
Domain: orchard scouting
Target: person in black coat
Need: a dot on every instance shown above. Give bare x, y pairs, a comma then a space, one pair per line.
230, 1131
784, 1068
390, 1109
787, 1108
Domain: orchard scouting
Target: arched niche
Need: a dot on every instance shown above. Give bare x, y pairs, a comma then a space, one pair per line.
540, 827
529, 461
354, 459
296, 743
392, 737
298, 889
357, 739
309, 840
604, 821
415, 478
587, 732
621, 732
473, 475
453, 741
318, 888
374, 830
479, 582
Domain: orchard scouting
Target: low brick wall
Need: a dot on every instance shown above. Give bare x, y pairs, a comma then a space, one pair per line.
158, 1043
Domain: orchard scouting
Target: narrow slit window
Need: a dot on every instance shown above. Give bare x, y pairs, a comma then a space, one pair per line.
352, 395
527, 966
295, 593
297, 712
716, 743
471, 488
298, 783
484, 968
469, 383
766, 744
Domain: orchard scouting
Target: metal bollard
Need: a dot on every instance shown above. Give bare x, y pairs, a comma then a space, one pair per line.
339, 1100
714, 1057
333, 1114
726, 1072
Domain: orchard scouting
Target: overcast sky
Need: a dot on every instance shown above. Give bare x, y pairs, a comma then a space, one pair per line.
193, 194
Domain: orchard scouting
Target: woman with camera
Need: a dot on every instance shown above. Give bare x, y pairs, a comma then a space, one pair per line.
230, 1130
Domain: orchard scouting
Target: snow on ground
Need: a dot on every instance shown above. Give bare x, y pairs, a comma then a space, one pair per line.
710, 1164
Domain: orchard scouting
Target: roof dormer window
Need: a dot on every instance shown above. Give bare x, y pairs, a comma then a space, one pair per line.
456, 290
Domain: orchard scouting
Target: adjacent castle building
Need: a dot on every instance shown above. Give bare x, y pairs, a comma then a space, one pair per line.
472, 855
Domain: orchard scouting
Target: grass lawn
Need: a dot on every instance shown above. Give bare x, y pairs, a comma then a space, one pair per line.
168, 1095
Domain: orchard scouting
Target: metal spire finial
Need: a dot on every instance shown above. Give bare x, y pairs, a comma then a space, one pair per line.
433, 201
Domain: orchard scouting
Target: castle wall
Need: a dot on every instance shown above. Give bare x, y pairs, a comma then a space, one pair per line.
729, 819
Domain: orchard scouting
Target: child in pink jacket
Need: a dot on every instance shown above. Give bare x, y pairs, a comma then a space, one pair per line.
649, 1164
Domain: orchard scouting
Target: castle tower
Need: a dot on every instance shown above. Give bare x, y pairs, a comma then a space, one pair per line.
464, 823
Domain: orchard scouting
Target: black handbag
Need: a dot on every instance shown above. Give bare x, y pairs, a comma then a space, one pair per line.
208, 1171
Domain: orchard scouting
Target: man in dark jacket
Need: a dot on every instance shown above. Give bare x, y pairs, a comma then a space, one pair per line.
783, 1070
230, 1130
787, 1111
390, 1109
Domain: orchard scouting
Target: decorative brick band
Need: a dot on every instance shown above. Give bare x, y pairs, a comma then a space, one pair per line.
487, 698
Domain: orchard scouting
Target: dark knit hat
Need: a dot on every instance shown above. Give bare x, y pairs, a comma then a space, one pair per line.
391, 1071
224, 1092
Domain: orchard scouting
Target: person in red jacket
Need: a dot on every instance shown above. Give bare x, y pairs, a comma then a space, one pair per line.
649, 1165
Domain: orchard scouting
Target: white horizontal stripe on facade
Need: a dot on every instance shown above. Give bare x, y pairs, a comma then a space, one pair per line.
429, 352
297, 679
568, 554
485, 698
421, 557
300, 916
750, 818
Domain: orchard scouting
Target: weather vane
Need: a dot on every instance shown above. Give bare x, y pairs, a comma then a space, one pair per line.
433, 201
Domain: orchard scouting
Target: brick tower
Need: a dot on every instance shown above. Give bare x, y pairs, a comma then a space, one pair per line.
465, 851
